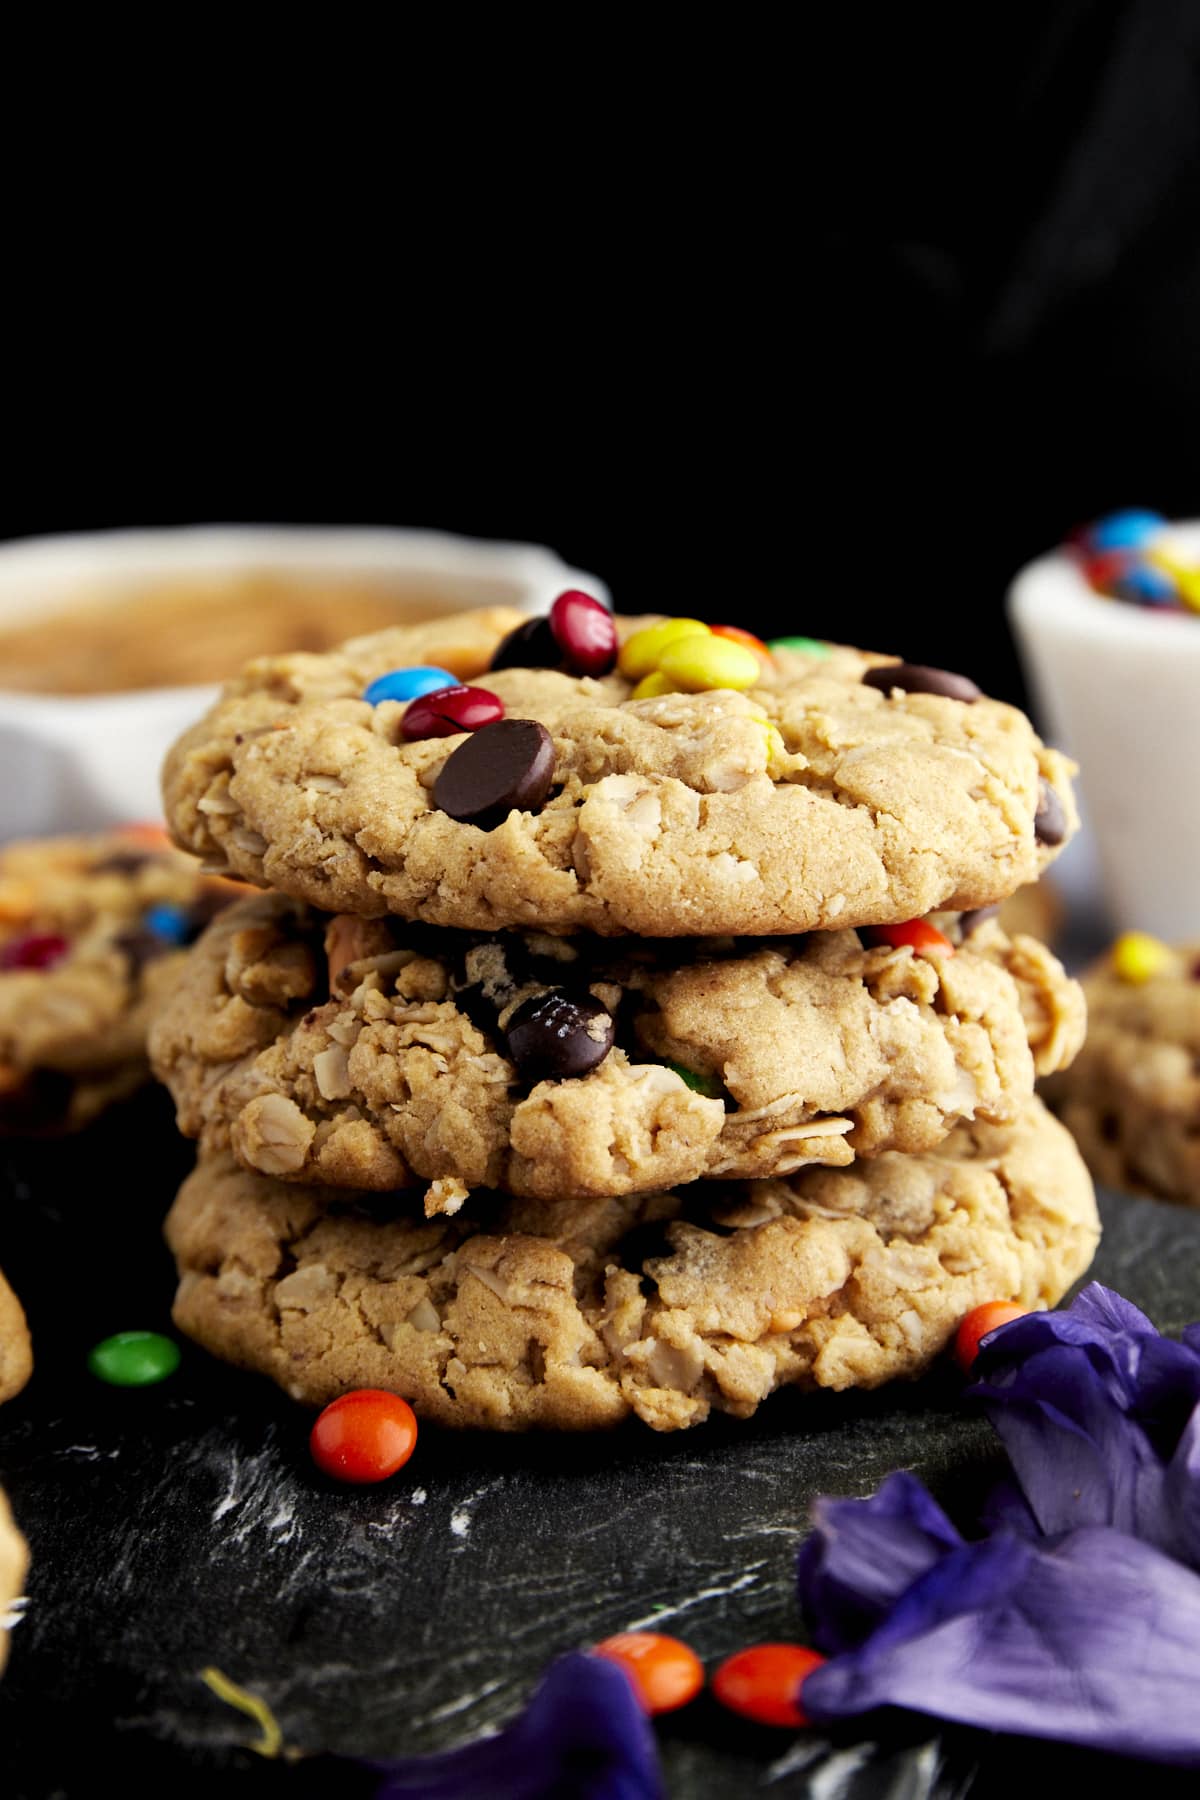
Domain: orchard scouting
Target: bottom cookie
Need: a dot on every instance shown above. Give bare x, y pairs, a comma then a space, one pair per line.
14, 1566
577, 1313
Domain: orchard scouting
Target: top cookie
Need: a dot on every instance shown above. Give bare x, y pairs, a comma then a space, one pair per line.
825, 796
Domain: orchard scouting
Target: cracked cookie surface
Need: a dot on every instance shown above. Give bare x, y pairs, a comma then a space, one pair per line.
90, 928
811, 801
576, 1313
1132, 1100
373, 1054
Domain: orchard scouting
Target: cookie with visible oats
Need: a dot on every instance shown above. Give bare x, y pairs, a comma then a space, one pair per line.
91, 931
575, 1313
376, 1053
1132, 1099
826, 796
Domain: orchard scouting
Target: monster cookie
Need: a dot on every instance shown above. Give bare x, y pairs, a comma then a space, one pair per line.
16, 1350
693, 785
1133, 1098
90, 928
375, 1053
576, 1313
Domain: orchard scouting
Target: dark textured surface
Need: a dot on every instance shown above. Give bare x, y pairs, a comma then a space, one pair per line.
184, 1525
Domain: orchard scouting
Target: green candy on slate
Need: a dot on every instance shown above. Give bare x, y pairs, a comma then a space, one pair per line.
134, 1358
806, 646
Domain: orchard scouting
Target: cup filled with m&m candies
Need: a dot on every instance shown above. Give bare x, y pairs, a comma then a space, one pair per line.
1109, 629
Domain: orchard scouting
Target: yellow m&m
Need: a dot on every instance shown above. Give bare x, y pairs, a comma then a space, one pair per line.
642, 653
698, 663
1136, 956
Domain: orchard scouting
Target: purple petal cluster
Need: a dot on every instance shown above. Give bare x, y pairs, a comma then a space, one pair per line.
1078, 1616
583, 1736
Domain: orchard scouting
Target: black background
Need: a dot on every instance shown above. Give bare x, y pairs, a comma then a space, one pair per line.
823, 331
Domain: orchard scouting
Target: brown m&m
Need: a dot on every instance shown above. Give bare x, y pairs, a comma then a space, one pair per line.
555, 1035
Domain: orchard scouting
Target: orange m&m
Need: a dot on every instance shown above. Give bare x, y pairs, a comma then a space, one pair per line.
364, 1436
978, 1322
663, 1672
764, 1682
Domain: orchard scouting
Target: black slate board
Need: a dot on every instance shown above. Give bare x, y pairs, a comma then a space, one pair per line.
183, 1526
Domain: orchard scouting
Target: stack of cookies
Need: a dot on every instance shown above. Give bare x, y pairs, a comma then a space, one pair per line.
624, 1029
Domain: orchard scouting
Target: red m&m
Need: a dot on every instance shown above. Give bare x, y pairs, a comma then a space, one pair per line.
764, 1682
584, 632
449, 710
37, 950
913, 934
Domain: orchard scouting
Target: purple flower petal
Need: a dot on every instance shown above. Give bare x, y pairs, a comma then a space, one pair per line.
583, 1736
862, 1554
1092, 1404
1093, 1640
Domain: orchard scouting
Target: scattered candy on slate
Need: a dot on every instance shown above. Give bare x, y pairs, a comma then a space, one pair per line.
916, 678
557, 1035
1128, 556
503, 766
37, 950
134, 1358
364, 1436
764, 1683
1136, 957
1049, 821
913, 934
664, 1672
408, 684
449, 710
978, 1323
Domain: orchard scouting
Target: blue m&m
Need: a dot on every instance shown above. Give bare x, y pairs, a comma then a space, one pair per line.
173, 924
408, 684
1133, 529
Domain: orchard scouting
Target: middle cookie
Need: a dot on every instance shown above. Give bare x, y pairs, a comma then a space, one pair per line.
376, 1054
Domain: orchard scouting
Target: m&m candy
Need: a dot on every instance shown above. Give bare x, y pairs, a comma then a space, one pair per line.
448, 710
36, 950
364, 1436
914, 934
1131, 529
134, 1358
764, 1683
408, 684
584, 632
664, 1672
977, 1324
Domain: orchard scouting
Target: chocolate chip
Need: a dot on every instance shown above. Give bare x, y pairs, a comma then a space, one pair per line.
555, 1035
505, 765
970, 922
915, 678
142, 946
122, 862
1049, 821
531, 646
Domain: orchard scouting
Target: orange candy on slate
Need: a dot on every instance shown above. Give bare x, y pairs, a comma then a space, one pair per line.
364, 1436
914, 934
663, 1672
763, 1683
978, 1322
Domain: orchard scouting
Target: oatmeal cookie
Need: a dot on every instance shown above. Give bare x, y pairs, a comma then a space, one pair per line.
374, 1053
831, 794
575, 1313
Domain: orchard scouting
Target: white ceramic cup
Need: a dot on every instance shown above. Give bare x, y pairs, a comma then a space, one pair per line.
70, 763
1118, 687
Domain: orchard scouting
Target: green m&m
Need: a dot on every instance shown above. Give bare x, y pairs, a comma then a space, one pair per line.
806, 646
708, 1085
134, 1358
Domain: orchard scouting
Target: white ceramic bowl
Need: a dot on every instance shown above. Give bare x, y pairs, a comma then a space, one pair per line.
1118, 686
73, 762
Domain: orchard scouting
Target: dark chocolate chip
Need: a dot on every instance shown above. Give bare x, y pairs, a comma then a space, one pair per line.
1049, 821
142, 946
915, 678
123, 862
556, 1035
505, 765
970, 922
531, 646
